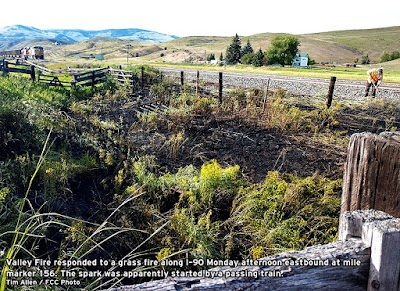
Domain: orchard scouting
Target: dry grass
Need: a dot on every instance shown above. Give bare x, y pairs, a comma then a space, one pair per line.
339, 47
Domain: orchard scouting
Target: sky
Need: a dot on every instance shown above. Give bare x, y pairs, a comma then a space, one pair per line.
206, 17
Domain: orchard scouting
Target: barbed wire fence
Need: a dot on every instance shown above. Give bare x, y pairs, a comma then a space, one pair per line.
304, 94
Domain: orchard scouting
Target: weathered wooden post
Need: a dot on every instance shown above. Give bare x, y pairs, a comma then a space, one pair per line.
220, 87
33, 77
381, 233
73, 81
266, 95
182, 79
372, 173
5, 67
384, 271
329, 97
197, 83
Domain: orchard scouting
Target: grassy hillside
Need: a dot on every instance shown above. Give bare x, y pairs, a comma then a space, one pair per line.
335, 46
371, 41
339, 47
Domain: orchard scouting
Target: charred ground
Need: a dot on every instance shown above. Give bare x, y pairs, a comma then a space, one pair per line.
286, 136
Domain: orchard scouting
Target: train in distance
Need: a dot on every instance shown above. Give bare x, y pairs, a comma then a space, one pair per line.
34, 52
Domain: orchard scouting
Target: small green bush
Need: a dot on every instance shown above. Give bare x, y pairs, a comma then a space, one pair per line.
287, 212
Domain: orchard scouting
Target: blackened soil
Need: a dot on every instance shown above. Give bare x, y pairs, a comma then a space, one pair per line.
256, 150
228, 139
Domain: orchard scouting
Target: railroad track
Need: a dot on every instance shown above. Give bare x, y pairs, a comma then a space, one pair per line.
321, 81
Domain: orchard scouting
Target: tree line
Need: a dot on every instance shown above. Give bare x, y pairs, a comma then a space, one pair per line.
389, 56
281, 52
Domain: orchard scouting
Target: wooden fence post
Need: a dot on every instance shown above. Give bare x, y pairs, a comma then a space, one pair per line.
330, 92
182, 79
33, 77
371, 177
381, 232
197, 83
5, 67
220, 87
384, 271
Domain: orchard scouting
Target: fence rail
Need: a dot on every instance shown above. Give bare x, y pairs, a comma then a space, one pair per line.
52, 80
17, 67
90, 78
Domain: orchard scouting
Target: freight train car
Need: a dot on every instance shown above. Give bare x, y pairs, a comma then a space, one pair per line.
35, 52
11, 54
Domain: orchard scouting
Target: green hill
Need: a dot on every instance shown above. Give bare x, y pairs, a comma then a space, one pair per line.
368, 41
338, 47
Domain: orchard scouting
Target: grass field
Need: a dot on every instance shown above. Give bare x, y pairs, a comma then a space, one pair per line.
392, 74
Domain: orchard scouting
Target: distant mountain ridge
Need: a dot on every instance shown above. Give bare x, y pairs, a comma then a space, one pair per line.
17, 33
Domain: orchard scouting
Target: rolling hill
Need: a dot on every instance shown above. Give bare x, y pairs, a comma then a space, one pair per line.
357, 42
336, 47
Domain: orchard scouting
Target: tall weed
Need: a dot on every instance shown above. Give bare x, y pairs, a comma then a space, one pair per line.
286, 213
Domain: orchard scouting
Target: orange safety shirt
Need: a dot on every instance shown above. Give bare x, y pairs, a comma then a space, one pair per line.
374, 75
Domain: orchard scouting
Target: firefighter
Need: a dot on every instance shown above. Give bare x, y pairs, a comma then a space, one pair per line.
375, 77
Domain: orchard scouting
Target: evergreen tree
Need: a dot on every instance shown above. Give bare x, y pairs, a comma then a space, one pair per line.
247, 48
211, 57
233, 52
258, 60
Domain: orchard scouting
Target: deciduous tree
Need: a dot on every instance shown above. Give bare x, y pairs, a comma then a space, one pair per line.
282, 50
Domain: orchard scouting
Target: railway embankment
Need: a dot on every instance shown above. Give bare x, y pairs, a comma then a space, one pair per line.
344, 89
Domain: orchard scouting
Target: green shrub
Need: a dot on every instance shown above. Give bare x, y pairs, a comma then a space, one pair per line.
287, 212
284, 117
199, 234
17, 134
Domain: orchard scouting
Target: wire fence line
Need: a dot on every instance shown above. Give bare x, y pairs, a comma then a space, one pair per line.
298, 86
306, 94
203, 83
